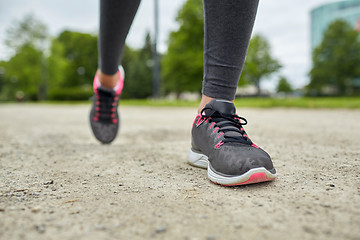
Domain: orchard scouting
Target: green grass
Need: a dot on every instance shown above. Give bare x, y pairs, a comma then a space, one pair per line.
306, 102
348, 102
323, 102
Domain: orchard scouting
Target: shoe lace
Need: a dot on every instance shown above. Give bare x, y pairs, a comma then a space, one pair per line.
230, 124
105, 106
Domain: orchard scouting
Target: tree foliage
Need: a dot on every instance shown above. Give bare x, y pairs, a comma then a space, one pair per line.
336, 61
284, 86
80, 51
26, 69
58, 65
27, 32
259, 63
23, 72
182, 66
68, 67
138, 71
71, 66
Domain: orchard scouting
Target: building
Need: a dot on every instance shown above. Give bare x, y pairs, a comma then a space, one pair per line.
323, 15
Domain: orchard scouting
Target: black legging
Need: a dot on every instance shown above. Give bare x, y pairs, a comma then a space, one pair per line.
228, 27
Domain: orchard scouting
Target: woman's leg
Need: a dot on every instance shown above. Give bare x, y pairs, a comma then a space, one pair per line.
228, 27
116, 17
219, 141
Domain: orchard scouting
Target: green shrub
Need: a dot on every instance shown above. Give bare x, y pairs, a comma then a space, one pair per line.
70, 94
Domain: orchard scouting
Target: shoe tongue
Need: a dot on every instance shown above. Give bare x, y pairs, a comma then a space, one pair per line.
222, 106
107, 91
226, 107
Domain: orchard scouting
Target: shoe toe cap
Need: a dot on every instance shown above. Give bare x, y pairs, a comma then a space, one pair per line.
237, 160
105, 133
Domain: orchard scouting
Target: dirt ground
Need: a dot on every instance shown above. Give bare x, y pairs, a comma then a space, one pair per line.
58, 182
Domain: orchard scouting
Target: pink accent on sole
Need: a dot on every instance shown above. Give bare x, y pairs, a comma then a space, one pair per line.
254, 178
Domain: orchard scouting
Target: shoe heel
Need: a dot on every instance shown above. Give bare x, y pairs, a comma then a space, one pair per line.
198, 159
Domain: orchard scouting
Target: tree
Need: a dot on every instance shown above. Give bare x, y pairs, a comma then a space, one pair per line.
284, 86
26, 69
336, 61
259, 63
72, 65
182, 65
23, 72
80, 51
138, 71
28, 31
58, 66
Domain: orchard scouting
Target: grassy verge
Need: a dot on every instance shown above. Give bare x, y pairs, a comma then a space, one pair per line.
261, 103
325, 102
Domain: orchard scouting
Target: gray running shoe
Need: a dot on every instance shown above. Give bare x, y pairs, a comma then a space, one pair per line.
104, 117
220, 144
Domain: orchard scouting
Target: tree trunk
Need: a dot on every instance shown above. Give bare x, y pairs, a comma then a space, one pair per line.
257, 85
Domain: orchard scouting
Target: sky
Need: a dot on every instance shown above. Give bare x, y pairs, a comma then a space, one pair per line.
285, 24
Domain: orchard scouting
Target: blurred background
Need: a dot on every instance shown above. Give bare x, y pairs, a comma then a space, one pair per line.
48, 50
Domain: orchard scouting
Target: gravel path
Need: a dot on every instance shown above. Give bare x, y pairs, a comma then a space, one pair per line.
57, 182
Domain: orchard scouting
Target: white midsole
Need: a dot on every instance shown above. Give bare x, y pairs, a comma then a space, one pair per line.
198, 159
201, 160
231, 180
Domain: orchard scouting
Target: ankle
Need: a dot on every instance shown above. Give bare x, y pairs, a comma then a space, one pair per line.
108, 81
205, 100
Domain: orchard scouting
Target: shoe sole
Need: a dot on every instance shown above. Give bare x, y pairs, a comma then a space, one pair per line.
255, 175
